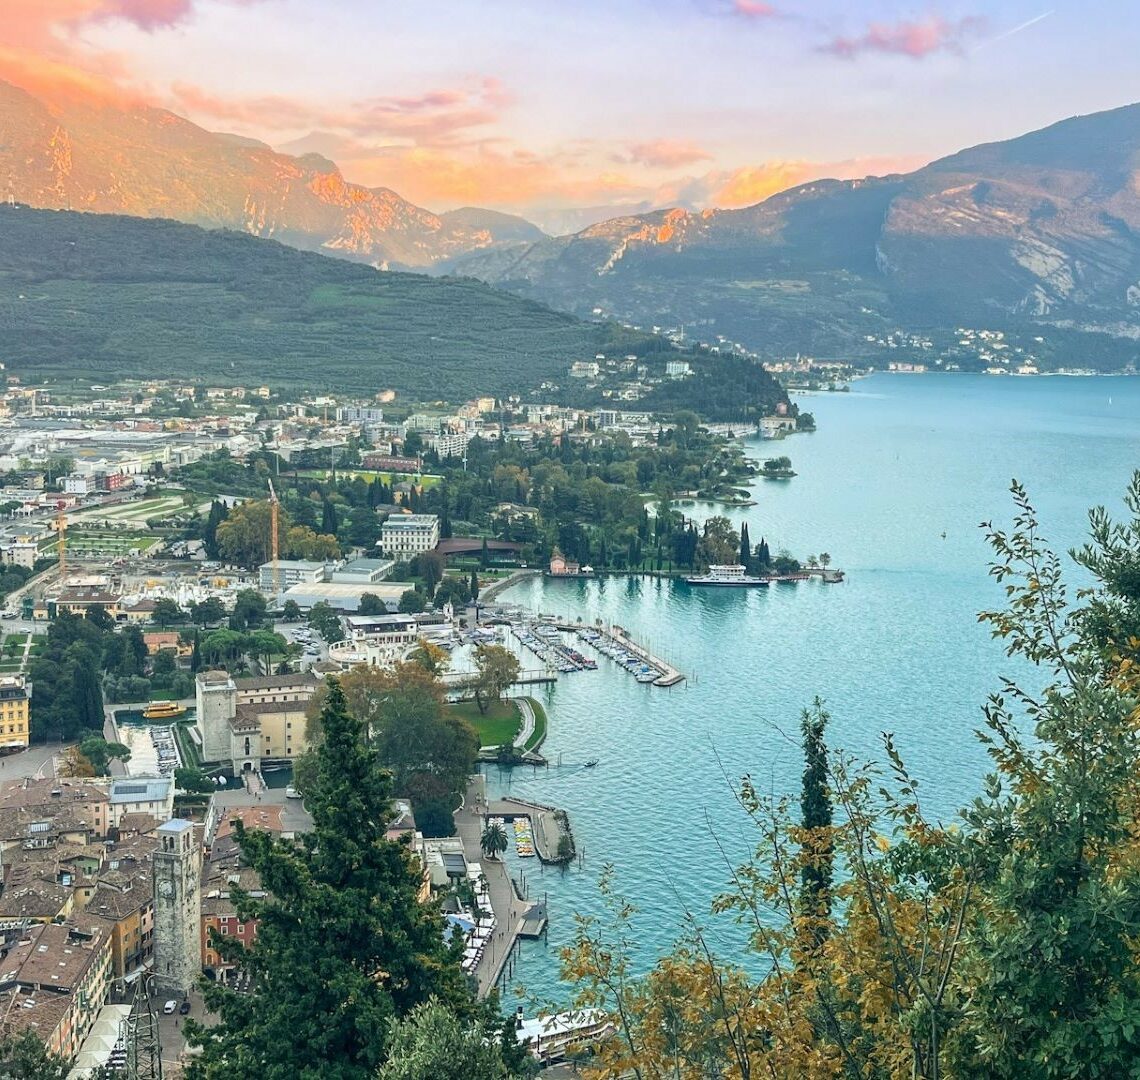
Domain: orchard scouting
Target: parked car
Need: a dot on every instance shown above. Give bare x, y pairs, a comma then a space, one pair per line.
170, 1007
292, 793
184, 1008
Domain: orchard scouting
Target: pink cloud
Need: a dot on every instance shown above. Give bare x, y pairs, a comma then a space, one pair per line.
146, 14
753, 9
916, 39
667, 153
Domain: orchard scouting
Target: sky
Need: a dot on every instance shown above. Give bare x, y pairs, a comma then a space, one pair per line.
535, 106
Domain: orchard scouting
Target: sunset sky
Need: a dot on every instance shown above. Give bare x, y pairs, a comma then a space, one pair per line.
530, 105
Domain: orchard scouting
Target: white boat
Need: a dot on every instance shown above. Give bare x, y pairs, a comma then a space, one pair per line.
731, 576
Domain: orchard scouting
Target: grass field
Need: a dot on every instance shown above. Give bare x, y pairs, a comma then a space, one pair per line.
498, 726
428, 480
131, 513
98, 544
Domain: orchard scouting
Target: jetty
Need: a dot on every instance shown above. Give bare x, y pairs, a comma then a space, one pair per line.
616, 643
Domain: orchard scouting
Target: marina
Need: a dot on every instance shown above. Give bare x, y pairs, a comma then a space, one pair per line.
627, 653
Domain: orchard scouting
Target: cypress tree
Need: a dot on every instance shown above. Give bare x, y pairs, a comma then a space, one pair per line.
328, 518
473, 586
815, 808
196, 654
745, 545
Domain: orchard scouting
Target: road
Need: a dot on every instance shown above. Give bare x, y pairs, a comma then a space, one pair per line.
37, 762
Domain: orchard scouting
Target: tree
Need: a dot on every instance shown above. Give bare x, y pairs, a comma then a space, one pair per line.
24, 1057
344, 945
210, 610
430, 565
215, 517
196, 654
164, 663
473, 586
816, 820
167, 612
243, 538
494, 840
497, 669
99, 752
412, 601
745, 545
371, 604
433, 1043
484, 556
326, 622
194, 780
249, 610
291, 611
453, 591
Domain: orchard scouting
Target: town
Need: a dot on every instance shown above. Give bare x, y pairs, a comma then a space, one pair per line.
184, 565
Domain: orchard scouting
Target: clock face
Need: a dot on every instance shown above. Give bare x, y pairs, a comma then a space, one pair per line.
166, 888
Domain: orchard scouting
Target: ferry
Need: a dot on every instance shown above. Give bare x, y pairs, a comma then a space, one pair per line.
729, 576
163, 710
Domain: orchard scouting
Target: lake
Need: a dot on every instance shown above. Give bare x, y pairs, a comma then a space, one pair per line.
893, 485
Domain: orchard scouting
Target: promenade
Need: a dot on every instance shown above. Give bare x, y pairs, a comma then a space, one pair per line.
510, 911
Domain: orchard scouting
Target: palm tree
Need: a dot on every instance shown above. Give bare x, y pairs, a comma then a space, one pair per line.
824, 560
493, 840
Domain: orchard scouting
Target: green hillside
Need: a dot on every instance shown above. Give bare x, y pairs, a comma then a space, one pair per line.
103, 296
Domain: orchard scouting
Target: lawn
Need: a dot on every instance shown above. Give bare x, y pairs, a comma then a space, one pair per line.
498, 726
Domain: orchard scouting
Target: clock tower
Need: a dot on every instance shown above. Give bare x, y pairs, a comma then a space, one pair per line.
177, 908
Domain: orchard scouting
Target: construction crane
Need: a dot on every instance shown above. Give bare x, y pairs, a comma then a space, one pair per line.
61, 542
273, 552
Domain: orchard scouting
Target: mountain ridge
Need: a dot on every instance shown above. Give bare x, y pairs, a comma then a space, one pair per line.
1041, 230
148, 162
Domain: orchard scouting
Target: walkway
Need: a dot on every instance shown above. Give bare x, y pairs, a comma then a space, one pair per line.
526, 729
510, 911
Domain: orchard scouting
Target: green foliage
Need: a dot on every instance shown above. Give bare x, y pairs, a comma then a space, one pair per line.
496, 669
291, 612
324, 621
24, 1057
343, 946
99, 752
124, 297
432, 1043
167, 612
371, 604
412, 601
194, 780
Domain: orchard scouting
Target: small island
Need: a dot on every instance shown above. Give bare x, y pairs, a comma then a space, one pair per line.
777, 468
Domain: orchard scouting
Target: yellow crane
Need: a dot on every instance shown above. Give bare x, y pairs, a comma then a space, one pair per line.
273, 545
61, 542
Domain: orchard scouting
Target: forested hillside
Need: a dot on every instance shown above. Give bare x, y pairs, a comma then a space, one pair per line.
105, 296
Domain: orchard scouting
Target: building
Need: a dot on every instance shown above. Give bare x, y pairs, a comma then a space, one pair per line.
14, 696
359, 414
54, 980
423, 422
362, 572
80, 484
150, 795
177, 908
390, 463
560, 566
584, 369
21, 553
79, 601
448, 444
123, 896
223, 870
290, 572
677, 369
68, 806
404, 536
246, 722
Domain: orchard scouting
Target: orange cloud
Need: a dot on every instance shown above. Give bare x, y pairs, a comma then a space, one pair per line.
916, 39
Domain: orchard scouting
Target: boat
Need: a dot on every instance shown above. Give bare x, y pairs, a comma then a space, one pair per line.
730, 576
163, 710
591, 763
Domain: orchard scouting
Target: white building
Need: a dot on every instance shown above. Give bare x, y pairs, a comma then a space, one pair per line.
584, 369
290, 572
153, 795
403, 536
359, 414
677, 369
448, 444
78, 484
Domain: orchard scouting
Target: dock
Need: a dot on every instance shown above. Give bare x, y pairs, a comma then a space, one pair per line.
618, 637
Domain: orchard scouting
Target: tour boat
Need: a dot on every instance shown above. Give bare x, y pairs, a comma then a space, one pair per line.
163, 710
731, 576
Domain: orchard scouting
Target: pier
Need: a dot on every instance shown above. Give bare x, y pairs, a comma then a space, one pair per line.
617, 637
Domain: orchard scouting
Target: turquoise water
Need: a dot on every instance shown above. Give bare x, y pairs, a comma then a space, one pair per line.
896, 464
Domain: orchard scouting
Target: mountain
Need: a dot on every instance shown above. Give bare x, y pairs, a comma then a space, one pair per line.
147, 162
1039, 235
101, 297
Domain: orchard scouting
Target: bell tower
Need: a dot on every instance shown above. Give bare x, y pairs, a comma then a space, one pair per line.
177, 908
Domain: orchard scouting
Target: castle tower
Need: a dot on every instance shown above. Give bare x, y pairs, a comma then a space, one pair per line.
177, 908
216, 699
